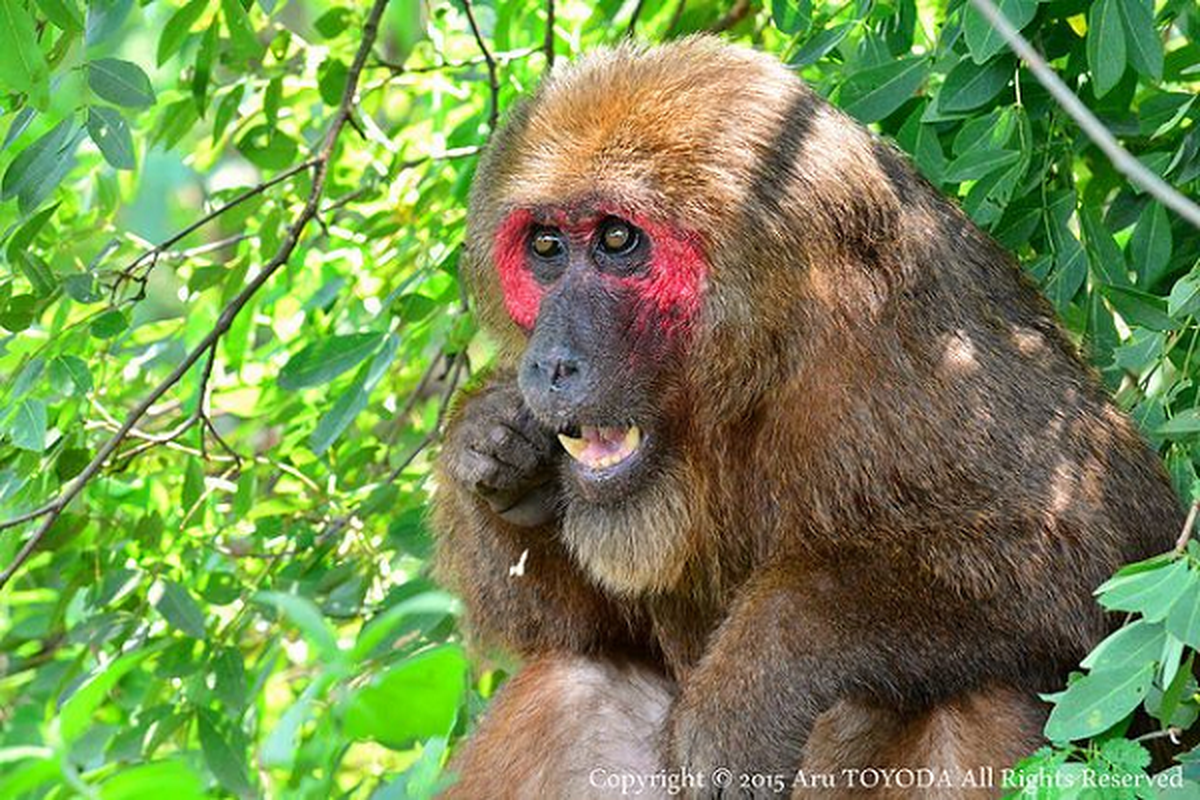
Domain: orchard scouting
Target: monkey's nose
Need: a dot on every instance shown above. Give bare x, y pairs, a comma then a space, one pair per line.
558, 371
553, 379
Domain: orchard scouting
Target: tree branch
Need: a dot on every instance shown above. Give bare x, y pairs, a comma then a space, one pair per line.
493, 80
1121, 158
631, 29
548, 45
320, 167
736, 14
161, 248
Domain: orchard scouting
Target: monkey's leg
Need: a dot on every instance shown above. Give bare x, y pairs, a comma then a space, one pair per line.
796, 643
958, 749
571, 727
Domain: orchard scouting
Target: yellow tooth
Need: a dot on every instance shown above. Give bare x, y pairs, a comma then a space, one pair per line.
573, 446
633, 439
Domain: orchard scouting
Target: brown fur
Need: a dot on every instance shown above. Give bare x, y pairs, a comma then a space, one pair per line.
892, 481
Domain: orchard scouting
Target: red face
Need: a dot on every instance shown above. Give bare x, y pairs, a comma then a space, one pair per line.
668, 288
609, 300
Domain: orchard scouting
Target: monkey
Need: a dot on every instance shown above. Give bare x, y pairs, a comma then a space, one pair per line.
783, 468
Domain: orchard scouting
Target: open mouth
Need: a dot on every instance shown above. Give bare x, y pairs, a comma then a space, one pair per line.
600, 448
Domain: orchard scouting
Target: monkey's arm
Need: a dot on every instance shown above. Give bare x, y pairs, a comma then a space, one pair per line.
751, 702
497, 532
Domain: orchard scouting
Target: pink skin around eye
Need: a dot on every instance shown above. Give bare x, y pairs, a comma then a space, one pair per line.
670, 294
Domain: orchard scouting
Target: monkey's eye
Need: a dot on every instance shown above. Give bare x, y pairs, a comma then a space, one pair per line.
546, 243
618, 237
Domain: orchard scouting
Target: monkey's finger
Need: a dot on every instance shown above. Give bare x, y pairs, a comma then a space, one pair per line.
511, 447
474, 469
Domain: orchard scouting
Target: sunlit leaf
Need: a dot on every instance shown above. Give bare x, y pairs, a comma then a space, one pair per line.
120, 82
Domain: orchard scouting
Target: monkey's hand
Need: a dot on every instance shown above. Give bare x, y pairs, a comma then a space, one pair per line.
497, 449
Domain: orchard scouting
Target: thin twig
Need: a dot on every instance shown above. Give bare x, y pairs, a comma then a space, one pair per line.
676, 16
493, 80
1121, 158
1188, 526
207, 247
548, 44
633, 19
736, 14
429, 438
161, 248
320, 166
501, 58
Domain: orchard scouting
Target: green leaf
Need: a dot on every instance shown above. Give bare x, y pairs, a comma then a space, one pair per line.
791, 16
1183, 621
228, 764
1105, 45
1144, 47
75, 714
322, 361
331, 24
1106, 258
1096, 702
177, 28
970, 85
173, 779
226, 109
308, 619
38, 272
428, 686
1174, 691
1182, 425
27, 428
109, 324
241, 32
1184, 300
63, 13
1150, 593
820, 45
281, 745
975, 164
982, 39
874, 93
354, 400
27, 233
23, 68
334, 423
272, 99
72, 370
267, 148
202, 68
120, 82
331, 80
1128, 648
180, 610
1151, 244
229, 670
378, 629
37, 169
110, 132
1139, 308
83, 288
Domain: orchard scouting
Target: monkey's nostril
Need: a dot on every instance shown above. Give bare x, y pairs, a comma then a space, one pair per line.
561, 371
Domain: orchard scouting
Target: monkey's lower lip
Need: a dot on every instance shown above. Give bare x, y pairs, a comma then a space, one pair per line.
601, 447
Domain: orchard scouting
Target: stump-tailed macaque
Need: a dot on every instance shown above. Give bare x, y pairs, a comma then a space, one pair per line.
784, 464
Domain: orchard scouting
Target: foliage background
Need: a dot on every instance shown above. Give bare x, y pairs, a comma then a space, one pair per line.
237, 601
